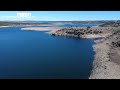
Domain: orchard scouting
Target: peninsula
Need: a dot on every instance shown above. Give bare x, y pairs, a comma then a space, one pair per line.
106, 64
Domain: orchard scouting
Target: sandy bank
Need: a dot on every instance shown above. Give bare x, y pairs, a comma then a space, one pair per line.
6, 26
106, 63
50, 29
94, 36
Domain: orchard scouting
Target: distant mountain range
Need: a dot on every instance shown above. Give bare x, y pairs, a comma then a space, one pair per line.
100, 22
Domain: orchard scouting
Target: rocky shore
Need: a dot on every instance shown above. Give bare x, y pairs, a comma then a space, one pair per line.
106, 64
83, 32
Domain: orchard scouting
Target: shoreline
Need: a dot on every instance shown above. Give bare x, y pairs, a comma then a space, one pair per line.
105, 65
50, 29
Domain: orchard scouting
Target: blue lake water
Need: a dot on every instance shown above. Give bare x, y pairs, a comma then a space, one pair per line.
81, 25
62, 24
38, 55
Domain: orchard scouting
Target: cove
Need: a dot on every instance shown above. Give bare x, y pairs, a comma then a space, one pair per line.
38, 55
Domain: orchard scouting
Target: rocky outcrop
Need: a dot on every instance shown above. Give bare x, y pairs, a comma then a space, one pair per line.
80, 32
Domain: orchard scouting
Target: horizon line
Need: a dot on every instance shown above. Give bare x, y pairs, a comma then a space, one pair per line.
58, 20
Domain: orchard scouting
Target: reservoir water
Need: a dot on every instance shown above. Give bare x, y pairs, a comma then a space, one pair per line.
38, 55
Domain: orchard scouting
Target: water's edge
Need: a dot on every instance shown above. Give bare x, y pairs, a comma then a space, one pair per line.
76, 73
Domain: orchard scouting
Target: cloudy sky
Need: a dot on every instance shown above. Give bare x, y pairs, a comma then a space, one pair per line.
59, 15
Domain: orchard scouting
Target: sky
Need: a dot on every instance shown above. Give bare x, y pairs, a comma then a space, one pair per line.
59, 15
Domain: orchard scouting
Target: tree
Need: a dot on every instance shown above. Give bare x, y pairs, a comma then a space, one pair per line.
88, 27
